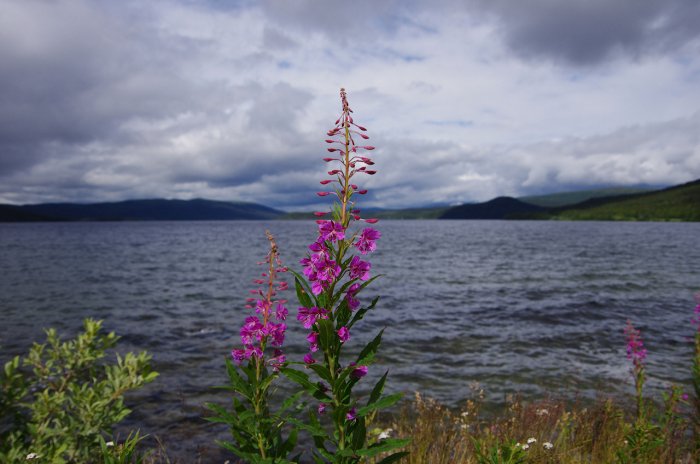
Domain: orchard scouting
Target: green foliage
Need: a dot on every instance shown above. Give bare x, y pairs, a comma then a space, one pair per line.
501, 453
60, 402
345, 441
257, 433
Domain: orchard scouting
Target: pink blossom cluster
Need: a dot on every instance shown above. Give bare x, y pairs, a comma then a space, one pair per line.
635, 347
350, 160
696, 313
266, 327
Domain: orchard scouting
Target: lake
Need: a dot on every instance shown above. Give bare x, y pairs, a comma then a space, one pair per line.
525, 307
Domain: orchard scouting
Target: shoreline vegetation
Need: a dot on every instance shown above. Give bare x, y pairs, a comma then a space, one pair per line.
47, 425
679, 203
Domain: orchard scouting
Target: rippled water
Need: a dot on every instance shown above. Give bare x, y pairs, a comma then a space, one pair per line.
529, 307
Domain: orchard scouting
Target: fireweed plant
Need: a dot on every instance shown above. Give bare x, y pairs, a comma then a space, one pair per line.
335, 271
257, 432
637, 354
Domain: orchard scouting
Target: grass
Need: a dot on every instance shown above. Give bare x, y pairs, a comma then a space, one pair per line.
598, 432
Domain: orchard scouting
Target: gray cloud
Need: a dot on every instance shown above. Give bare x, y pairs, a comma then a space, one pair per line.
589, 31
107, 101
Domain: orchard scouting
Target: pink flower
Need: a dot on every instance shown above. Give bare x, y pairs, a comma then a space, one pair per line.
635, 347
309, 359
343, 334
359, 269
312, 338
309, 316
359, 372
366, 242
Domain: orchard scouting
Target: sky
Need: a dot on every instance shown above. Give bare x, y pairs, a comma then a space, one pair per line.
231, 99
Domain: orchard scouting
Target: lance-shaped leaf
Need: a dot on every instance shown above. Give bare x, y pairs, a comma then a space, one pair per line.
366, 356
303, 291
362, 311
303, 380
378, 389
384, 446
381, 403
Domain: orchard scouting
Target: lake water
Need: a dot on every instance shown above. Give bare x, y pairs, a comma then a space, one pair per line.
521, 307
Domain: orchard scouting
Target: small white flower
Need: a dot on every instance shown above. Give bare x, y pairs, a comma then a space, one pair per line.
109, 444
531, 440
517, 444
542, 412
31, 456
465, 414
526, 446
385, 434
463, 426
547, 445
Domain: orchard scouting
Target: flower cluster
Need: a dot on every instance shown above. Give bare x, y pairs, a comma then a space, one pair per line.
350, 160
261, 329
635, 348
696, 313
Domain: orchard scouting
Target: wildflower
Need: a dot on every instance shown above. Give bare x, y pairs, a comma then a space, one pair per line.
351, 415
331, 231
359, 269
309, 316
542, 412
635, 347
277, 361
344, 334
525, 447
109, 444
531, 441
359, 372
31, 456
281, 312
366, 243
309, 359
353, 303
321, 408
312, 338
384, 434
547, 445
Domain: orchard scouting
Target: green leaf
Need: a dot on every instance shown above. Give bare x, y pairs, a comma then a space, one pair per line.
360, 313
327, 338
377, 390
359, 434
237, 382
303, 291
384, 402
303, 380
394, 457
367, 354
343, 314
322, 372
384, 446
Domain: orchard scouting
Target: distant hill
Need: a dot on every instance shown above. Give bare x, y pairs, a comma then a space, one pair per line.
409, 213
498, 208
139, 210
678, 203
554, 200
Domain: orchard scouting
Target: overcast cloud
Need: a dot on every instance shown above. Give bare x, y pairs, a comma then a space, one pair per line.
465, 100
